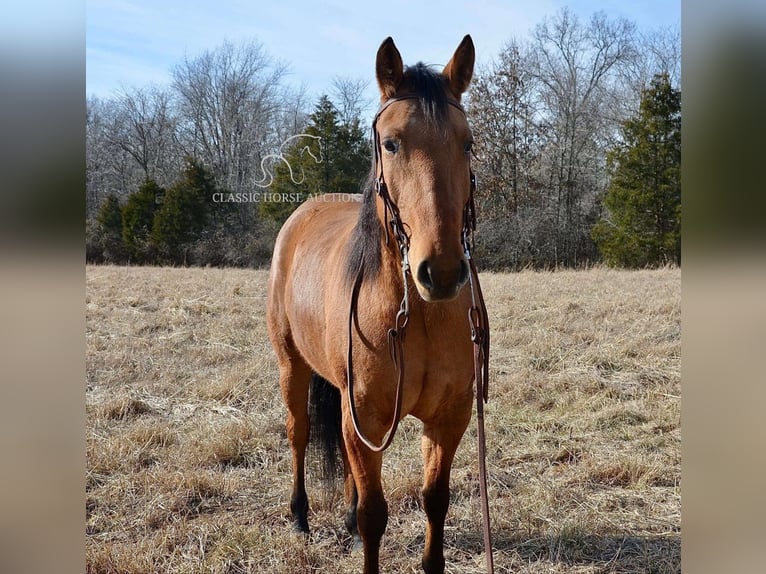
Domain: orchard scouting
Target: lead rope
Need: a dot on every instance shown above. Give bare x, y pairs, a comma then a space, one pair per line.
395, 347
478, 320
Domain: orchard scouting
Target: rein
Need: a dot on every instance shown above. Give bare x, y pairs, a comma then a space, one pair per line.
477, 318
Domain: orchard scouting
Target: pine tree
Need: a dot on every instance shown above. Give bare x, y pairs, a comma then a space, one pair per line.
184, 213
342, 165
642, 224
138, 220
109, 230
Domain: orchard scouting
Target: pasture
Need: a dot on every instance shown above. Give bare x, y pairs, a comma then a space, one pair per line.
188, 464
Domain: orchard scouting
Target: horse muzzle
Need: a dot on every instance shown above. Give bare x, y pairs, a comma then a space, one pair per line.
440, 283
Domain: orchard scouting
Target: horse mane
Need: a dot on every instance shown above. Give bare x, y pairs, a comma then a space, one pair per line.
364, 254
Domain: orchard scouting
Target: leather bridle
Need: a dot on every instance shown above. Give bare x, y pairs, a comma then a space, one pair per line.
477, 318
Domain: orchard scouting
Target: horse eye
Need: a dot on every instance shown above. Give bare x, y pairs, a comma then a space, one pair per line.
392, 146
468, 147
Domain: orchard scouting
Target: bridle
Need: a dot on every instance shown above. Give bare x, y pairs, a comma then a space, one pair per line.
477, 318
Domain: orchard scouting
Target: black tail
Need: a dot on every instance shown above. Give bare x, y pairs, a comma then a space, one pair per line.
326, 433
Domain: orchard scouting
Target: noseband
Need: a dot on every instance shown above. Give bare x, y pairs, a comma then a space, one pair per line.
477, 318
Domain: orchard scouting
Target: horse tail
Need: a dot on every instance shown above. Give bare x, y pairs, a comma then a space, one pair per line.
326, 432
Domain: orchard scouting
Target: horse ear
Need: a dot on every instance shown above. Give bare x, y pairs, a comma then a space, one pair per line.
459, 70
388, 68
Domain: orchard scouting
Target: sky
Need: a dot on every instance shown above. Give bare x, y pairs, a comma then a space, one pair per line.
136, 43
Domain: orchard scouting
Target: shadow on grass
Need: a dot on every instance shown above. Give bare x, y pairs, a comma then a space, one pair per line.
626, 553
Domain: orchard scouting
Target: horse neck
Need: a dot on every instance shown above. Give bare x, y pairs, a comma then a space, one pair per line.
391, 263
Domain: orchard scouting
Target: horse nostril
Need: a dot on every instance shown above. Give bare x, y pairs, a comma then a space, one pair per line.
424, 275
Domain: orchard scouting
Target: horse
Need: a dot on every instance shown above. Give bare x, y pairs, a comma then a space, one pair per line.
341, 274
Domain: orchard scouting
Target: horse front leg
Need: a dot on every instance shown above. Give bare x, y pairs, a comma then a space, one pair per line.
351, 497
371, 505
441, 438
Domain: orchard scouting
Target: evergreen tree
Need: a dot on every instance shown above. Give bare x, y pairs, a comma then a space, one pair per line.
184, 213
109, 230
342, 165
138, 220
642, 224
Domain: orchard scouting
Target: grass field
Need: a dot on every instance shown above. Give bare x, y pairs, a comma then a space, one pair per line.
188, 465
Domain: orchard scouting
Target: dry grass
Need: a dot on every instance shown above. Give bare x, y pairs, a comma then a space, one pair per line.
189, 467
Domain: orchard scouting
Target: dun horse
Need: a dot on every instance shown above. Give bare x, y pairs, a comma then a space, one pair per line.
340, 298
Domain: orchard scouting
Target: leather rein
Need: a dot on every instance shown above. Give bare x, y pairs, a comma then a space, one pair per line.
477, 318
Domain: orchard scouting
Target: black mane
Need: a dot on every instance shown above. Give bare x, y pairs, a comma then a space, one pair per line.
364, 248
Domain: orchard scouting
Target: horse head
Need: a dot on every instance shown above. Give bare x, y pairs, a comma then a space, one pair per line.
423, 147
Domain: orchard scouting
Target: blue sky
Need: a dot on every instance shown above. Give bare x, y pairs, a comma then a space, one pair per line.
134, 43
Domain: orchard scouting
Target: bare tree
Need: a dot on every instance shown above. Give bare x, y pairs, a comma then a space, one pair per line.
293, 113
658, 52
348, 95
129, 138
662, 53
96, 155
145, 129
228, 100
577, 67
506, 116
110, 170
501, 110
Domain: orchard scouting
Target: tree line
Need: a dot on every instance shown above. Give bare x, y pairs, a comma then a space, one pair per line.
554, 118
577, 131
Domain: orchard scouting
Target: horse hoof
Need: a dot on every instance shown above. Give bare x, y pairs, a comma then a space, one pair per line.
301, 527
357, 545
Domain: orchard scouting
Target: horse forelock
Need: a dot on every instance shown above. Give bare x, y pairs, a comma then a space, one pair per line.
431, 88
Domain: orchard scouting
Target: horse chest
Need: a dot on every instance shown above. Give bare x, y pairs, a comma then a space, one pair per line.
442, 371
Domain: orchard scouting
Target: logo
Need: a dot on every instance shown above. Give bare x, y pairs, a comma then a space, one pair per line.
269, 160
